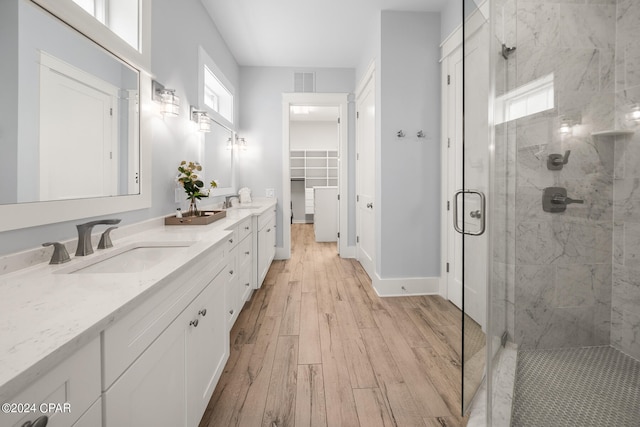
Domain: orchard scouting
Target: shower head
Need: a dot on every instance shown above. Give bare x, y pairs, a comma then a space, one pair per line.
506, 51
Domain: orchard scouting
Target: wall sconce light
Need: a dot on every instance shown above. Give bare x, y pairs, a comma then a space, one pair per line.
201, 118
567, 123
169, 101
634, 113
238, 143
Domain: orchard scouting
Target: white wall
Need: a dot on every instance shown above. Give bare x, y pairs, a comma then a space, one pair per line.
261, 89
174, 64
409, 203
314, 135
450, 18
9, 100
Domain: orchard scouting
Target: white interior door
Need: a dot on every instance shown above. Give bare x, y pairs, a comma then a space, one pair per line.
454, 169
476, 172
365, 177
76, 108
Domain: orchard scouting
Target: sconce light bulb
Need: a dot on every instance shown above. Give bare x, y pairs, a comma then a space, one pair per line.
634, 114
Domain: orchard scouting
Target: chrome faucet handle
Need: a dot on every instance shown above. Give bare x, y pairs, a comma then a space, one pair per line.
84, 235
557, 161
561, 199
105, 239
60, 254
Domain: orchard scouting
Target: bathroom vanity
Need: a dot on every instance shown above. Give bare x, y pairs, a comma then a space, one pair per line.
87, 344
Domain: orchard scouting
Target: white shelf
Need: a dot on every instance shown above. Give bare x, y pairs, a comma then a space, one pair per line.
613, 132
319, 167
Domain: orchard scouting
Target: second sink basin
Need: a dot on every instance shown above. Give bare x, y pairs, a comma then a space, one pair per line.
133, 258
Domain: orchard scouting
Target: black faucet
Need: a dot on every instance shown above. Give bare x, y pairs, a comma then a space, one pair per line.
84, 235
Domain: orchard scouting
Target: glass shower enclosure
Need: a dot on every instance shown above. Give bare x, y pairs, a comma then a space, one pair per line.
555, 148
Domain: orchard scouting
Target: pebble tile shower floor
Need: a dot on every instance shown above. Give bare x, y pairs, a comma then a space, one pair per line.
585, 387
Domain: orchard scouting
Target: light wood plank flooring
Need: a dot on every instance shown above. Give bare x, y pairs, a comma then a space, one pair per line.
315, 346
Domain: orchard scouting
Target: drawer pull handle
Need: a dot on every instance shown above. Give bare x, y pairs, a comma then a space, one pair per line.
231, 312
194, 323
230, 240
247, 284
203, 312
231, 272
246, 228
268, 230
247, 253
39, 422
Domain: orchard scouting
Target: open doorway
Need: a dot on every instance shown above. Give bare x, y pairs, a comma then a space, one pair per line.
314, 166
314, 140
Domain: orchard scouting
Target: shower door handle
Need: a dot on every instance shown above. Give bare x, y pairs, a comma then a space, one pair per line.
479, 214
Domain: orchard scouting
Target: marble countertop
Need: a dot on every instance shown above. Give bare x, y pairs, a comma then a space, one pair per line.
46, 316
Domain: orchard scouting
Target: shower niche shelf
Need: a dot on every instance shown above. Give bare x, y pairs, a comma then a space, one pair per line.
613, 132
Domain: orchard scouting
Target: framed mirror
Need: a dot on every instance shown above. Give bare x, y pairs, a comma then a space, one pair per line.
217, 159
70, 141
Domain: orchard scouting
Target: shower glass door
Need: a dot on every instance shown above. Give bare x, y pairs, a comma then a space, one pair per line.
470, 203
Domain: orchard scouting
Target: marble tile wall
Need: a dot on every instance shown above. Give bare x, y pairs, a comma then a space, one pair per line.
561, 265
625, 313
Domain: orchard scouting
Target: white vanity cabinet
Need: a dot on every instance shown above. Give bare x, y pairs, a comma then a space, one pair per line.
239, 269
75, 382
171, 381
266, 243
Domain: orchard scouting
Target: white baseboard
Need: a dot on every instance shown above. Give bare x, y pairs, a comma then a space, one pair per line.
406, 286
350, 252
281, 254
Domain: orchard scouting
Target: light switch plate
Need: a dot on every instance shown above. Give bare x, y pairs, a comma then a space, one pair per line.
270, 192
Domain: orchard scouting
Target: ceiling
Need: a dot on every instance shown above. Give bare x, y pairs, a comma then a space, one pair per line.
303, 33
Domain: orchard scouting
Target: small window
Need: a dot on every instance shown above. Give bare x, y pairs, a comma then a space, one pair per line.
526, 100
216, 91
120, 16
217, 96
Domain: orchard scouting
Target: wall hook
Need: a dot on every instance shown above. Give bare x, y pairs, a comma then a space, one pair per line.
420, 134
400, 134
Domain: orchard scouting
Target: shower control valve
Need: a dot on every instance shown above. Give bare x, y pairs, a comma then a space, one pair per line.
554, 199
555, 162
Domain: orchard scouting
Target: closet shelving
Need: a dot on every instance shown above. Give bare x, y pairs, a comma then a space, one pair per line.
317, 168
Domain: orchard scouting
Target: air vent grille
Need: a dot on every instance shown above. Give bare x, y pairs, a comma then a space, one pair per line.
304, 82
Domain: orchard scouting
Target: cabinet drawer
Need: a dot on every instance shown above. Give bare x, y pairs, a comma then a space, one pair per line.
244, 229
232, 240
266, 218
245, 254
75, 382
130, 336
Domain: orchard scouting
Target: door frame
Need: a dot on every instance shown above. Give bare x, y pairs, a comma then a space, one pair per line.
367, 81
340, 100
448, 47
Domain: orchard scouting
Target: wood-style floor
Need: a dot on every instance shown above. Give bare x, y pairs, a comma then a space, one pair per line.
315, 346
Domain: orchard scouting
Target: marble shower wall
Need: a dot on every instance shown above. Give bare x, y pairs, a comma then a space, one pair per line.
562, 262
625, 314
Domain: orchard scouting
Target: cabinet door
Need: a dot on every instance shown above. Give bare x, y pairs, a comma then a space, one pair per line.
152, 392
263, 256
207, 348
91, 418
75, 383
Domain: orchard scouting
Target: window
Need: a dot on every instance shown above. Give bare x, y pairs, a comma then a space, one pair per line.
120, 16
217, 96
217, 92
528, 99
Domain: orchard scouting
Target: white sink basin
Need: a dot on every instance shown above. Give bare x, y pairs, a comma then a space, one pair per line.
133, 258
